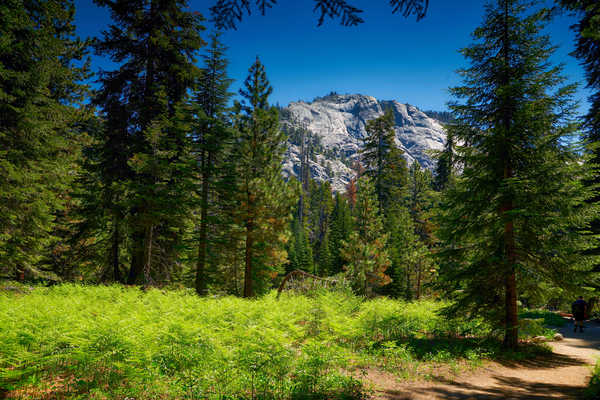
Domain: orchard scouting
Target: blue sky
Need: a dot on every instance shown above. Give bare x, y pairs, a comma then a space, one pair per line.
388, 56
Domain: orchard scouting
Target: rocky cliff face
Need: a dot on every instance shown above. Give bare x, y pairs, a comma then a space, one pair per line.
337, 126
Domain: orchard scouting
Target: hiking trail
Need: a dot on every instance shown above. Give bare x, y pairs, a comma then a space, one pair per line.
561, 375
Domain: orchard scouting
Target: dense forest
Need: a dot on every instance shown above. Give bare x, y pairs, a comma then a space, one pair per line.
161, 176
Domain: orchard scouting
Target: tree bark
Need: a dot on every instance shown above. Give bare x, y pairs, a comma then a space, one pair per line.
419, 271
148, 255
248, 291
137, 257
115, 250
203, 239
511, 334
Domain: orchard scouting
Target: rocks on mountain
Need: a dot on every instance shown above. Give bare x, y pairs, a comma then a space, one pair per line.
337, 128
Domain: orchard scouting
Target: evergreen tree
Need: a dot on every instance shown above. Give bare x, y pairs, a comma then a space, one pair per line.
365, 250
409, 256
516, 212
382, 159
142, 102
444, 169
588, 52
40, 91
420, 202
340, 228
300, 253
264, 197
210, 133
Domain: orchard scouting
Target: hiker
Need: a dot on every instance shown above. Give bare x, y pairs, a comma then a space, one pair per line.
579, 308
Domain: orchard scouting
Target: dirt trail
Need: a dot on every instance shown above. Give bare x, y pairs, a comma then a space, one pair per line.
563, 375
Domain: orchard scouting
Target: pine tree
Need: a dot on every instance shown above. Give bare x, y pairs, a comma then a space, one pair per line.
587, 50
382, 159
410, 257
142, 102
365, 250
420, 201
210, 133
41, 92
265, 199
444, 169
516, 213
340, 228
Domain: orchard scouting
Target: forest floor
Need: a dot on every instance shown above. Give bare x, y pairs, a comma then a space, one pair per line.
564, 374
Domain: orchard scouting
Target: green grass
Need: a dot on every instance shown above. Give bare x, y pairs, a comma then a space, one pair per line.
593, 389
548, 318
99, 342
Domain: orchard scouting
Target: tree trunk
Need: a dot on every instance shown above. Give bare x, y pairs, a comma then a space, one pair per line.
137, 258
419, 271
248, 272
148, 255
203, 239
115, 250
511, 335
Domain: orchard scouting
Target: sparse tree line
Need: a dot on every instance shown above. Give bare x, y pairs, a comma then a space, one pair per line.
155, 178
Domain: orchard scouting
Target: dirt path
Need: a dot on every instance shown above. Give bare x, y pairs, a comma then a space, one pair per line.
562, 375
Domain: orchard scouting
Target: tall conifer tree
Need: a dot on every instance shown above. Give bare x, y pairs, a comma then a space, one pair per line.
365, 250
587, 50
382, 159
516, 212
265, 199
154, 42
210, 135
39, 87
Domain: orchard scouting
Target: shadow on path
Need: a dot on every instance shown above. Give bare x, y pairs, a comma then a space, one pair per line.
508, 388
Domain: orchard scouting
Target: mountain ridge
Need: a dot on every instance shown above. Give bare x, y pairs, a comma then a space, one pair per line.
337, 128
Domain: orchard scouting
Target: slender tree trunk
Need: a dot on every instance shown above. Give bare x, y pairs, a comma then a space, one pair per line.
148, 255
408, 291
511, 335
116, 238
248, 272
418, 294
203, 239
137, 257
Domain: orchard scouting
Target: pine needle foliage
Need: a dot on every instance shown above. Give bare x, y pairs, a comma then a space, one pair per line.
517, 212
227, 14
41, 99
264, 199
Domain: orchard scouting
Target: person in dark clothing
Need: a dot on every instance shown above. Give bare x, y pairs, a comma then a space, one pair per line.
579, 309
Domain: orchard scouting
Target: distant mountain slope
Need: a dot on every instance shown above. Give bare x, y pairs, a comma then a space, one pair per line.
337, 123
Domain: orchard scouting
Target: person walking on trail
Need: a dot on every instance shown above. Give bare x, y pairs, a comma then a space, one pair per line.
579, 308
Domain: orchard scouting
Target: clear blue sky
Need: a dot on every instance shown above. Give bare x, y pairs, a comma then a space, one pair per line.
388, 56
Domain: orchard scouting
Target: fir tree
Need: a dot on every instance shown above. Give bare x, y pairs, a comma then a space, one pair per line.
420, 201
264, 197
382, 159
516, 212
365, 250
409, 256
40, 91
444, 169
340, 227
142, 102
588, 52
210, 133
